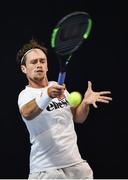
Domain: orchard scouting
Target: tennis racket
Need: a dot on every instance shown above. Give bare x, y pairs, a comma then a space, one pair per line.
67, 36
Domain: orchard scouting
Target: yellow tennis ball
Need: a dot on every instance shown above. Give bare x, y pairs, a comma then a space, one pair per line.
74, 98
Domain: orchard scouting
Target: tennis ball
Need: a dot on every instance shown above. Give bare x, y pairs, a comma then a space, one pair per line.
74, 98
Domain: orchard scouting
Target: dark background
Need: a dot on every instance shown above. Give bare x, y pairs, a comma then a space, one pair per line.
102, 139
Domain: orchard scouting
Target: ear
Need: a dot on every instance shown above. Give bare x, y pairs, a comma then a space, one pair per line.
23, 69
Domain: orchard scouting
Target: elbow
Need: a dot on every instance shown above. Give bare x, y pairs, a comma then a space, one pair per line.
79, 121
27, 116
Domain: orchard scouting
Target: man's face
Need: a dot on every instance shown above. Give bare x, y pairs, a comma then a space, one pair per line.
36, 65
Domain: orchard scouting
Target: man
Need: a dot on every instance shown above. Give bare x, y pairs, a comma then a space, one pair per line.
50, 119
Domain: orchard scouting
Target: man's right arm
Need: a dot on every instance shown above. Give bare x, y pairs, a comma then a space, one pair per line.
34, 107
30, 110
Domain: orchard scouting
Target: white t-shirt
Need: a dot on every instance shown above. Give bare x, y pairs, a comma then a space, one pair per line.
52, 133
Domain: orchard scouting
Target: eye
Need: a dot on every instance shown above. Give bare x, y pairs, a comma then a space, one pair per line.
42, 60
34, 61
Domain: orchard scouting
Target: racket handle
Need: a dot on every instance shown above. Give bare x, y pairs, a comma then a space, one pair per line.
61, 78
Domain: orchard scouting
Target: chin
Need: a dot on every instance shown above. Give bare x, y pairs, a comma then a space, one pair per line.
38, 78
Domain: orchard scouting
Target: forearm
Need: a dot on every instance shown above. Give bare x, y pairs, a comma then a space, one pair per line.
81, 112
36, 106
30, 110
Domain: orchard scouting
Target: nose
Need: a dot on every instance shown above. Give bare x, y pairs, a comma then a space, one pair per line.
39, 64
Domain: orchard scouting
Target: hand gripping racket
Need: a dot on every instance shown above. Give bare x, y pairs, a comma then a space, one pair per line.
67, 36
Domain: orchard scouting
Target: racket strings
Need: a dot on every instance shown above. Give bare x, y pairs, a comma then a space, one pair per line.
64, 49
70, 34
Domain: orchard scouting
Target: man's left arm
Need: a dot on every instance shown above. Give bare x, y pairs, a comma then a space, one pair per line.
80, 113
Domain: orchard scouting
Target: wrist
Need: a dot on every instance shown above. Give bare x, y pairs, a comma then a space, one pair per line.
44, 100
49, 92
85, 104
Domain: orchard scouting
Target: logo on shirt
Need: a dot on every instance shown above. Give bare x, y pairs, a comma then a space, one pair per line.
55, 105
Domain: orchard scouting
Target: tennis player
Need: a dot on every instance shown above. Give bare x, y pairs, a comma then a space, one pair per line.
50, 119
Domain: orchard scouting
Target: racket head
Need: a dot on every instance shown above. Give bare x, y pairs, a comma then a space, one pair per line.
70, 32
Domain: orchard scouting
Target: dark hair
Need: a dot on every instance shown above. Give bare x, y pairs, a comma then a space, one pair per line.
26, 47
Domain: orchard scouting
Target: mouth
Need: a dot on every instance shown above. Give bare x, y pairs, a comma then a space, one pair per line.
39, 71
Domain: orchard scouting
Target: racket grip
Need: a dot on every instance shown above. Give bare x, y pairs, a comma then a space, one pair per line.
61, 77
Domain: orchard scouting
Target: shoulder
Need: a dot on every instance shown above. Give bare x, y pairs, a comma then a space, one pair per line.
24, 91
25, 95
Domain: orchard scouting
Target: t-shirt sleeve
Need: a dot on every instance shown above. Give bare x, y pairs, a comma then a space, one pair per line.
23, 98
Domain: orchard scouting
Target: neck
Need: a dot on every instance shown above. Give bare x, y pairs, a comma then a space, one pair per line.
38, 84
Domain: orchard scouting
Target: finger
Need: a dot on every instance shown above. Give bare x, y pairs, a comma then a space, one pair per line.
102, 100
105, 97
59, 87
104, 92
89, 85
94, 104
64, 86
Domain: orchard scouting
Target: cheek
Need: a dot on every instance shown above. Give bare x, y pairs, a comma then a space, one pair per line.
30, 71
46, 68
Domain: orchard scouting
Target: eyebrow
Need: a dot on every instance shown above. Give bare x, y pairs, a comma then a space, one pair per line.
36, 59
